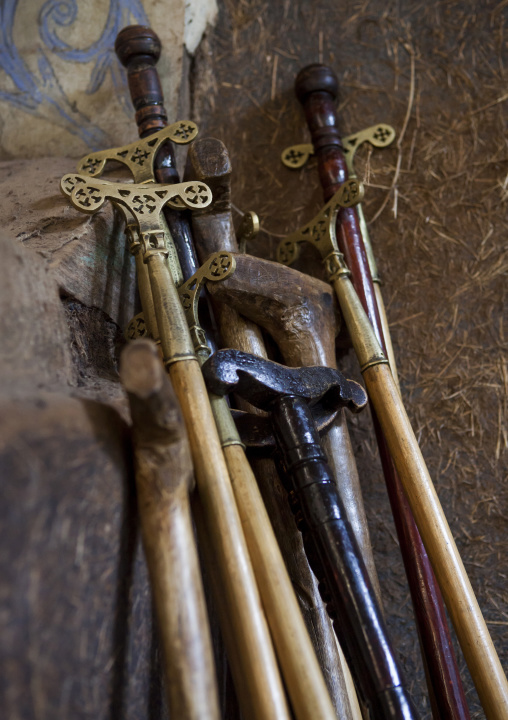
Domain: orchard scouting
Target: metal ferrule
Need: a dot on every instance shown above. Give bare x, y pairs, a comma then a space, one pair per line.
174, 332
160, 242
335, 266
368, 246
365, 343
153, 242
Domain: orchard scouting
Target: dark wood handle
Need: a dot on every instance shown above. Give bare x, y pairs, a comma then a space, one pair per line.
316, 87
138, 48
336, 559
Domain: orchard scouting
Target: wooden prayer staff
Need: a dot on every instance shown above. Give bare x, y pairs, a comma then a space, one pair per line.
316, 88
288, 393
266, 293
164, 479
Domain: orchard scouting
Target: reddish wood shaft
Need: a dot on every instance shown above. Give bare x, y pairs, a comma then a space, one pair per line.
316, 87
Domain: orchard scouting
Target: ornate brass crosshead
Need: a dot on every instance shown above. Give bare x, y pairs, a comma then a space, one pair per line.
320, 231
219, 266
139, 156
380, 136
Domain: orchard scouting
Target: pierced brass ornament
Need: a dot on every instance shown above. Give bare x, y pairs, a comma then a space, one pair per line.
136, 328
148, 243
321, 233
144, 202
247, 230
296, 156
217, 267
139, 156
380, 136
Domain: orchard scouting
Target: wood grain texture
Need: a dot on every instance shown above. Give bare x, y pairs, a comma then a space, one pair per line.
34, 349
88, 255
164, 478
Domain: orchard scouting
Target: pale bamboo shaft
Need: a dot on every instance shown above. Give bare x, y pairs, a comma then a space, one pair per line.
164, 479
471, 629
169, 543
304, 680
256, 669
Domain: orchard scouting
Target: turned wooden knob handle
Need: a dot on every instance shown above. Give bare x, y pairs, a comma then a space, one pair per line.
316, 78
138, 48
317, 88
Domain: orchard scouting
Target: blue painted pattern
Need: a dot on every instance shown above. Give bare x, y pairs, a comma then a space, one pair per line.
40, 94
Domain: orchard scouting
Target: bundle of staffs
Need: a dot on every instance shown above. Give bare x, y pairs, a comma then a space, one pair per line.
461, 602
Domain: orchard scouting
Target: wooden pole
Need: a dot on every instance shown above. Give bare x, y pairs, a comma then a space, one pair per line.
459, 596
316, 87
164, 479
